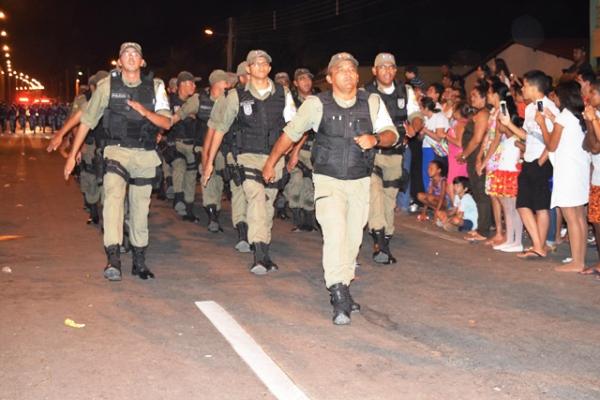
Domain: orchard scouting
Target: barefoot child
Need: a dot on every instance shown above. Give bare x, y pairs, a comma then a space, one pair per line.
436, 196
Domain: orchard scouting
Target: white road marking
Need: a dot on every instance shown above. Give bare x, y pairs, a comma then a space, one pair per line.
278, 383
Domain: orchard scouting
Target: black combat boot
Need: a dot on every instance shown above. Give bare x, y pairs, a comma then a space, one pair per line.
297, 219
94, 214
258, 266
179, 203
242, 245
341, 301
388, 238
310, 221
189, 213
213, 218
280, 206
381, 253
112, 271
268, 263
139, 263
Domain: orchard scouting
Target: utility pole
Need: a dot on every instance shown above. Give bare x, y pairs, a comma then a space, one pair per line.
230, 37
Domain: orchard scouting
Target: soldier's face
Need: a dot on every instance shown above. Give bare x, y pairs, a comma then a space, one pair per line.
385, 73
260, 69
304, 84
188, 87
344, 76
131, 60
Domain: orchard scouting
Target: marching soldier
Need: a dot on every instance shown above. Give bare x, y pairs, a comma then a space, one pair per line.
187, 141
134, 108
212, 193
257, 113
233, 173
386, 179
300, 190
348, 123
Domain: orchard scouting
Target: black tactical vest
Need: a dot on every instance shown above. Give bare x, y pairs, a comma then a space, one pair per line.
184, 129
259, 122
334, 152
124, 125
203, 115
396, 104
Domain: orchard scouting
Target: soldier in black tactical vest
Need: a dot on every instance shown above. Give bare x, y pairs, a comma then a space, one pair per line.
386, 180
257, 113
133, 109
349, 124
212, 193
300, 190
187, 145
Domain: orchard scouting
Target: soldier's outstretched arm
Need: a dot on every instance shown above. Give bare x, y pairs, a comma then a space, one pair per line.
282, 146
57, 138
82, 132
214, 147
208, 138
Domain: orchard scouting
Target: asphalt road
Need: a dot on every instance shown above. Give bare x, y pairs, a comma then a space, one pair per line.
449, 321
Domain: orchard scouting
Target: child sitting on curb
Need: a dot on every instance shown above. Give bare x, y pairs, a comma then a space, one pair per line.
463, 216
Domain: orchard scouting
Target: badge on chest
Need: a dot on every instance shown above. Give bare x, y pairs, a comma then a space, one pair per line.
247, 107
401, 103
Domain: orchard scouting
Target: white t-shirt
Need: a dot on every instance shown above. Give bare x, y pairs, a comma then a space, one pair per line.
468, 207
571, 177
509, 156
534, 141
436, 121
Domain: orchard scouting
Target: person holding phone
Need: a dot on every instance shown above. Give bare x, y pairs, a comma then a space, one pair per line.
533, 195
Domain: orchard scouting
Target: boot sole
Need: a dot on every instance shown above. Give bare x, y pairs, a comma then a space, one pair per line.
341, 319
112, 274
243, 247
258, 270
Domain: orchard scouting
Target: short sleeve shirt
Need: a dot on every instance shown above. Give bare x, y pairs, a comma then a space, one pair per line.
534, 141
99, 101
310, 113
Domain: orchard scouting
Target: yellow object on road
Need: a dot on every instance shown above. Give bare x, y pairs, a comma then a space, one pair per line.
73, 324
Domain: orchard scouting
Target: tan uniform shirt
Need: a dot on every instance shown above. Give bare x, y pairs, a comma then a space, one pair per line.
99, 101
310, 113
190, 107
79, 103
225, 115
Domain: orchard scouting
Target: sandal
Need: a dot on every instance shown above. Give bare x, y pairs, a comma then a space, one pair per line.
530, 254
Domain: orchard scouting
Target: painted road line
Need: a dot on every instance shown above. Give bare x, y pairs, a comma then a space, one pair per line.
278, 383
435, 233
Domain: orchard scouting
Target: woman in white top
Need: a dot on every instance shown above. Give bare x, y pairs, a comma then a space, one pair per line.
571, 164
435, 145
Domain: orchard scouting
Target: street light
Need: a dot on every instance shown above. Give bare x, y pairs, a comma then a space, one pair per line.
7, 55
2, 15
209, 32
3, 34
5, 48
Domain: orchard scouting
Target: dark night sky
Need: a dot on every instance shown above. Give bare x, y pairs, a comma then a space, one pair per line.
49, 36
